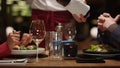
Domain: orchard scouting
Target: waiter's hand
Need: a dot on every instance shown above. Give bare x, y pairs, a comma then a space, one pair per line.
81, 18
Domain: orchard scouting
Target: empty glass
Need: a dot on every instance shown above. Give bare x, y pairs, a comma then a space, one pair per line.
53, 45
69, 31
37, 29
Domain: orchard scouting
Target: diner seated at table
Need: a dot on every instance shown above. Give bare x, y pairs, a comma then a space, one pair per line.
13, 39
110, 29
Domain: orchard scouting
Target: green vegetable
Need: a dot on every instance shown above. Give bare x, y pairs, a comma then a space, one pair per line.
94, 48
22, 47
29, 47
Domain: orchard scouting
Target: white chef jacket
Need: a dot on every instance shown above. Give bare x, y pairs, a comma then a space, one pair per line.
47, 5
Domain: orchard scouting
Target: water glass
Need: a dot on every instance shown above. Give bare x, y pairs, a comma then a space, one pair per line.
53, 45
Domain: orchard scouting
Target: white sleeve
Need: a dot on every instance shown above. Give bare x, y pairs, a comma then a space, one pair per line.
78, 7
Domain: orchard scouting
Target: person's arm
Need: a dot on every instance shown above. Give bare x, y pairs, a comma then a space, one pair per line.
106, 22
109, 30
112, 27
4, 50
115, 32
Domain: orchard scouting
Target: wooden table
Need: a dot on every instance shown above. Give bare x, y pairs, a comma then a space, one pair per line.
46, 63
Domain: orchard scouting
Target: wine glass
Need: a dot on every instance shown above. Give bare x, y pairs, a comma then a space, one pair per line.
69, 31
37, 29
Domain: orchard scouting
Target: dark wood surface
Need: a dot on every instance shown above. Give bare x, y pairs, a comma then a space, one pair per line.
45, 62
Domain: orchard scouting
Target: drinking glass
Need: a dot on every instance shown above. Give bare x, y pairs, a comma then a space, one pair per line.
37, 29
69, 31
55, 46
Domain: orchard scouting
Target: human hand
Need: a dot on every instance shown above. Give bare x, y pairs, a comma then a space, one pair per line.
13, 39
81, 18
26, 39
105, 21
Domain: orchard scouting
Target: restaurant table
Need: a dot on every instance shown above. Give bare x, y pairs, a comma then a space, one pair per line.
46, 63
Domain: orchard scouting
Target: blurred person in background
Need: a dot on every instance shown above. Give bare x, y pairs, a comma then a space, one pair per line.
53, 12
110, 29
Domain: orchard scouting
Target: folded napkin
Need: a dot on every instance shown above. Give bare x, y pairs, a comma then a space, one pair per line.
14, 62
77, 7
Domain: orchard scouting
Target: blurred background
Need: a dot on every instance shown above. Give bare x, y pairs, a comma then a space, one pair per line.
16, 13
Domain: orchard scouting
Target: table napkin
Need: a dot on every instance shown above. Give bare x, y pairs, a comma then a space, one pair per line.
77, 7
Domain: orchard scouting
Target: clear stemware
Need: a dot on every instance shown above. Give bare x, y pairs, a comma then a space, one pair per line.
69, 31
37, 29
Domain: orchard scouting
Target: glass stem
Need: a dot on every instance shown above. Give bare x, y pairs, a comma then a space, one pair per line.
37, 52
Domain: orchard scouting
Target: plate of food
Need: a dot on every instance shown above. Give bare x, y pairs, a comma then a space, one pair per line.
102, 51
26, 50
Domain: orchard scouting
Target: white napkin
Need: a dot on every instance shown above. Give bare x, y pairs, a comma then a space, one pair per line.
14, 62
78, 7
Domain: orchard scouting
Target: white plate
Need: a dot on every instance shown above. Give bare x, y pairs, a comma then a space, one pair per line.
27, 52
